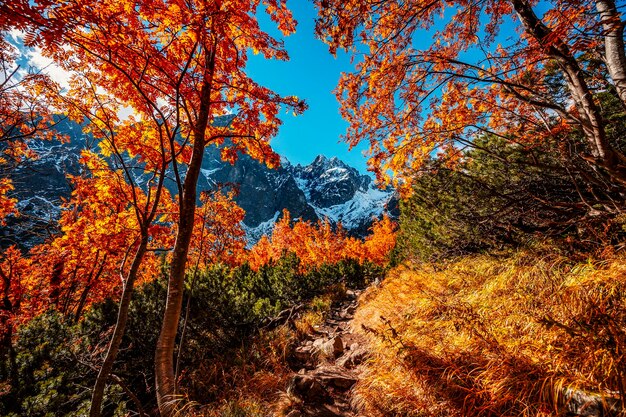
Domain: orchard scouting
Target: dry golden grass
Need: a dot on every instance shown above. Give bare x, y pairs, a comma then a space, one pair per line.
247, 383
493, 336
253, 382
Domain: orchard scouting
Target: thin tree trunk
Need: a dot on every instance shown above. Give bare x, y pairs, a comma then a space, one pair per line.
118, 332
55, 283
591, 120
82, 302
614, 54
67, 298
188, 306
166, 384
164, 356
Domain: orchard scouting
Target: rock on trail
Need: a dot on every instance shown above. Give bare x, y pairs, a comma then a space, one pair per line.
326, 366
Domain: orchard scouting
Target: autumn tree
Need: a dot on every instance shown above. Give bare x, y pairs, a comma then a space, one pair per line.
178, 65
13, 274
134, 147
25, 104
381, 240
131, 181
495, 67
316, 244
98, 229
261, 253
116, 202
218, 233
84, 263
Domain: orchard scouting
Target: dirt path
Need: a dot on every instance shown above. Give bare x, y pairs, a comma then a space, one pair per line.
325, 366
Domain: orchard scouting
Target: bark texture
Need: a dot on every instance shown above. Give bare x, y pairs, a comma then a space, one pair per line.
614, 54
166, 384
590, 118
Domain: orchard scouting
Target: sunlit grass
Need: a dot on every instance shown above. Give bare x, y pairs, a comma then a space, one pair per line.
493, 335
253, 382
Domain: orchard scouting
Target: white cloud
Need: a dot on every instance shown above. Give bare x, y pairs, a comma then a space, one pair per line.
17, 36
47, 66
34, 58
125, 112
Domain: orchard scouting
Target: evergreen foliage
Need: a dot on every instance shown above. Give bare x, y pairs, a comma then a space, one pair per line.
57, 359
505, 194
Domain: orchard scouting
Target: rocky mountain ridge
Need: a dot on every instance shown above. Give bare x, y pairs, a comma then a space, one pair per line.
326, 188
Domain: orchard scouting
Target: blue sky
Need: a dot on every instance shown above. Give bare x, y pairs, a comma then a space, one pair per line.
312, 74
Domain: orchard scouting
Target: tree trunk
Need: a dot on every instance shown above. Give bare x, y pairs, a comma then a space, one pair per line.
81, 303
164, 357
614, 54
55, 284
118, 332
589, 113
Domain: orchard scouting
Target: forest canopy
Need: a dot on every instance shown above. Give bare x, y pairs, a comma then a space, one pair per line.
500, 123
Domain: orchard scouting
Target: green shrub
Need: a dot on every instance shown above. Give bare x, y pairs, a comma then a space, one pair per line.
505, 194
57, 360
54, 370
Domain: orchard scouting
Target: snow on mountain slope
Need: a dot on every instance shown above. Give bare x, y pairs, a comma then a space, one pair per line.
363, 205
254, 234
325, 188
338, 192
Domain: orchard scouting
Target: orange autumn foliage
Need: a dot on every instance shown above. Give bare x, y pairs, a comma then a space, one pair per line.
218, 235
321, 243
379, 243
14, 285
431, 75
86, 263
7, 203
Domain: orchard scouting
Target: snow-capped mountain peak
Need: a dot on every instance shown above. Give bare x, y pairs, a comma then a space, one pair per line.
325, 188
